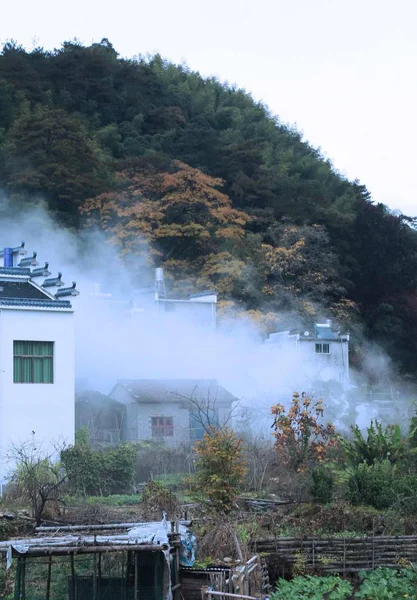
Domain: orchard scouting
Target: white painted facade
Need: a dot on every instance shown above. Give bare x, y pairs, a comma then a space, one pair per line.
47, 409
325, 352
37, 414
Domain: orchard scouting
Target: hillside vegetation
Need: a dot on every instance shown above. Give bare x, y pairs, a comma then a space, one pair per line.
195, 175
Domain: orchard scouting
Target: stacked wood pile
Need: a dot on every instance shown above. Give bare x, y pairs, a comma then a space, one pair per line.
341, 555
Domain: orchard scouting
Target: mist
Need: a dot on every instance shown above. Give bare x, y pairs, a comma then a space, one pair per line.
113, 344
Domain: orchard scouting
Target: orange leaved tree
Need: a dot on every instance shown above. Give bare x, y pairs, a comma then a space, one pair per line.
300, 436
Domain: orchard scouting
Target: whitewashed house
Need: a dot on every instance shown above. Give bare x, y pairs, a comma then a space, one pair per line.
175, 411
325, 351
36, 356
198, 310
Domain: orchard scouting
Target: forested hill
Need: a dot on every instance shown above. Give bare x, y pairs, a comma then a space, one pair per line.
202, 179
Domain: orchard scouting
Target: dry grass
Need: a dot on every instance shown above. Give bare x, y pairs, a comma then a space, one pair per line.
219, 542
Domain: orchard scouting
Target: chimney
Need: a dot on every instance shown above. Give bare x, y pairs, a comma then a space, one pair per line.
329, 322
8, 257
159, 284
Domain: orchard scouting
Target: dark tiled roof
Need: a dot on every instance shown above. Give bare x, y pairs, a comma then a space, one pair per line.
23, 290
35, 303
176, 390
15, 271
29, 261
53, 281
23, 293
41, 271
68, 291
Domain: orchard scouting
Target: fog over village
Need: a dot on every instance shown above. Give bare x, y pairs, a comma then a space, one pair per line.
208, 328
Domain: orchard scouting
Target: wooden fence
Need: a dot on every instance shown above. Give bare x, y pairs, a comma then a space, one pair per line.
341, 555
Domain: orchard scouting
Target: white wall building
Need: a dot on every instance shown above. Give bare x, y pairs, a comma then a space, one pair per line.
199, 309
325, 351
171, 410
36, 356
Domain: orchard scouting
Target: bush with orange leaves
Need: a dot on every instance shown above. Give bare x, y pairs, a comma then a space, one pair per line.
220, 469
300, 437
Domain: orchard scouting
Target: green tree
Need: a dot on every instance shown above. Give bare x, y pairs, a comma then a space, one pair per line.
50, 153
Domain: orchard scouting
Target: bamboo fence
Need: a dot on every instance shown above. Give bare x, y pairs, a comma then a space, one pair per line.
342, 555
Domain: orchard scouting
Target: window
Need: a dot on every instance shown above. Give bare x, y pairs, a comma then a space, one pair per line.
33, 362
322, 348
162, 426
200, 420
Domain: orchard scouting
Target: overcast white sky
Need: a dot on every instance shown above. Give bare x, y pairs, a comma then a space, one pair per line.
344, 71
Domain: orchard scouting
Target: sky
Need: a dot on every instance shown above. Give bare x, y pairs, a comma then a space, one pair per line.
342, 71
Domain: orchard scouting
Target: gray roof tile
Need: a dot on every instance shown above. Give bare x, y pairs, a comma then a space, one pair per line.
35, 303
175, 390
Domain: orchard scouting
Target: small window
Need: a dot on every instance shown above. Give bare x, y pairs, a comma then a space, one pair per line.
33, 362
162, 427
322, 348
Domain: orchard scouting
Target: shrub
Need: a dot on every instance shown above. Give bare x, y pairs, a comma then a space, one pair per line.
381, 443
99, 472
220, 469
309, 586
322, 485
380, 486
371, 485
37, 479
156, 499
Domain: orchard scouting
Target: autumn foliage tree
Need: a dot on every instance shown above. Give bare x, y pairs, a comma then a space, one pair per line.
220, 469
300, 436
172, 214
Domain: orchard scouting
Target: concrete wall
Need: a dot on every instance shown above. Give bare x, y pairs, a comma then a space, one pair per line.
331, 366
47, 409
139, 422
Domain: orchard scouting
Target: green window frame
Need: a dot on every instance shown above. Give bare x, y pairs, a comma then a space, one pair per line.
33, 362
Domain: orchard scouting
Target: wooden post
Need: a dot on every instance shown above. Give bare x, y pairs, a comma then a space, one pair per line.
136, 596
18, 580
74, 583
237, 546
23, 588
95, 577
48, 581
177, 571
205, 592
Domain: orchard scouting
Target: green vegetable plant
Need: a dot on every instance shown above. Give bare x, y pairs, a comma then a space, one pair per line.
313, 588
387, 584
